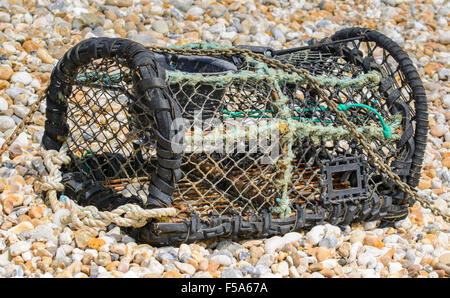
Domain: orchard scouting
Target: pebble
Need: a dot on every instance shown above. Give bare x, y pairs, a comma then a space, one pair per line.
5, 72
6, 123
185, 268
19, 247
315, 234
23, 78
160, 26
231, 273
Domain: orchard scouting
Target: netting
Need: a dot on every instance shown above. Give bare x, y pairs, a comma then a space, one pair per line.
261, 151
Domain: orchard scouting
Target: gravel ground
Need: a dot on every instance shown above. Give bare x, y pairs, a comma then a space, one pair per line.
34, 34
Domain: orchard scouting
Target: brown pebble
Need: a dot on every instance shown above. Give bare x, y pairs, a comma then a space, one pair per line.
35, 212
172, 274
327, 273
316, 267
323, 253
5, 73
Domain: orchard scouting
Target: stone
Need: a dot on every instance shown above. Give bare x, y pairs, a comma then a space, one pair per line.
357, 236
120, 3
45, 56
82, 237
329, 242
322, 253
222, 260
394, 267
217, 28
103, 259
23, 226
156, 268
19, 247
95, 243
35, 212
274, 243
217, 10
5, 72
195, 10
172, 274
266, 260
281, 268
182, 5
444, 37
44, 232
231, 273
185, 268
23, 78
118, 248
438, 130
315, 234
445, 258
160, 26
367, 260
3, 104
6, 123
202, 274
373, 241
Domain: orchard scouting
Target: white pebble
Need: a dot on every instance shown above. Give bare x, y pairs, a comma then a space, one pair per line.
394, 267
316, 234
22, 77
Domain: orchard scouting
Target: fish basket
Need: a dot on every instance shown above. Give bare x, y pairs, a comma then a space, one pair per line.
240, 141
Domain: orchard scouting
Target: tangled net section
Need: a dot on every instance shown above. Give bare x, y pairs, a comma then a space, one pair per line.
236, 143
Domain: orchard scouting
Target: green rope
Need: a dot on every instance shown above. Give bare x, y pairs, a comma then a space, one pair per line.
386, 129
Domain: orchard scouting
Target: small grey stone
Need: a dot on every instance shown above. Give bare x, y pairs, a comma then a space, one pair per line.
195, 10
261, 269
98, 31
160, 26
231, 273
165, 256
218, 11
224, 252
330, 241
410, 256
323, 23
222, 259
236, 23
182, 5
217, 28
278, 34
127, 239
17, 271
243, 255
266, 260
185, 258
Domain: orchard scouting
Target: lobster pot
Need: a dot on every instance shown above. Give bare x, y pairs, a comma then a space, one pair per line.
272, 151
